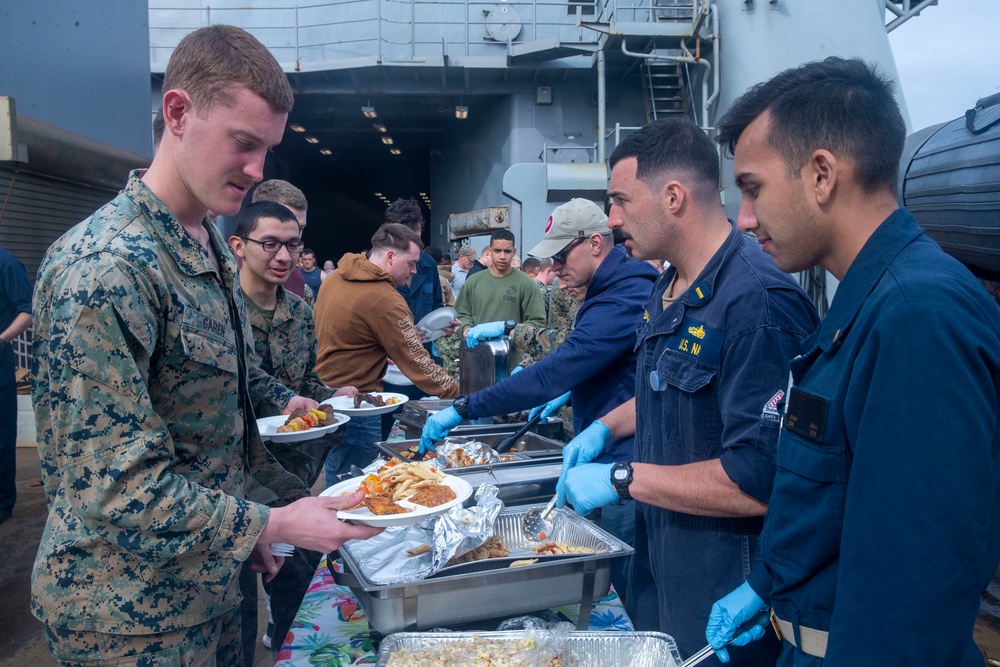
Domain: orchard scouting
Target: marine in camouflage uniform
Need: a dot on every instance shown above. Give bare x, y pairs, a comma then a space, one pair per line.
286, 349
562, 309
535, 342
142, 396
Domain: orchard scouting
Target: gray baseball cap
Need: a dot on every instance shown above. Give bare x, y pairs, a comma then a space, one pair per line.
577, 218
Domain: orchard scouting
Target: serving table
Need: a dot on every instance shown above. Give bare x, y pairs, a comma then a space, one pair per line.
330, 627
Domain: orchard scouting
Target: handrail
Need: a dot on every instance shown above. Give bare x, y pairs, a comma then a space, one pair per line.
364, 28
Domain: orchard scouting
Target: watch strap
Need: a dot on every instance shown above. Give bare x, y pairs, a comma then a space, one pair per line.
461, 406
621, 481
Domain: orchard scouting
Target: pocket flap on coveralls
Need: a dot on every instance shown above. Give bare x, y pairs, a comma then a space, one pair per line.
684, 372
811, 461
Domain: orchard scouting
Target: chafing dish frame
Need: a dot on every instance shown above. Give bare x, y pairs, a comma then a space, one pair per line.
484, 589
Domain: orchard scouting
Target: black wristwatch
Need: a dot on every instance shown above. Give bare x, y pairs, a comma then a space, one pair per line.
508, 326
621, 477
461, 406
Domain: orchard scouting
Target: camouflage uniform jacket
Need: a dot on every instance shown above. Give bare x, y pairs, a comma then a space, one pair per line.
534, 343
140, 388
287, 349
562, 309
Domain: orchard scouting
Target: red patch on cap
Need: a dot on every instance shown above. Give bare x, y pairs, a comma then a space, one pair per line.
548, 226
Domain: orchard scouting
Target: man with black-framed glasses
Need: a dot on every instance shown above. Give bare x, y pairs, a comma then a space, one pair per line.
268, 242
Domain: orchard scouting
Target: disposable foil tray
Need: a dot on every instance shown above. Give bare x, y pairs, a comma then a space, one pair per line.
581, 649
414, 415
534, 447
491, 588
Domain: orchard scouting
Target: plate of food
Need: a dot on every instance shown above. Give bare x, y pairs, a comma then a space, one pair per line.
401, 493
301, 424
367, 405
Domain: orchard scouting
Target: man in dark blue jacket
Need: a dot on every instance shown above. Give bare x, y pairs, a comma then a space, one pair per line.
422, 293
15, 317
882, 530
596, 364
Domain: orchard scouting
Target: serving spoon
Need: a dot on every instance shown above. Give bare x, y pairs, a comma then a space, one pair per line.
537, 524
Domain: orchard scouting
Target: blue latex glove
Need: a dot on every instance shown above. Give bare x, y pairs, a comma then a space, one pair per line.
517, 369
728, 614
549, 408
582, 449
437, 427
482, 332
588, 487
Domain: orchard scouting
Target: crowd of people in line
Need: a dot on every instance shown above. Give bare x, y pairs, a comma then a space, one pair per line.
852, 507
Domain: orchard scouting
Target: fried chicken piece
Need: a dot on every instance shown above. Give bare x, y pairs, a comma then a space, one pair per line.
381, 505
432, 496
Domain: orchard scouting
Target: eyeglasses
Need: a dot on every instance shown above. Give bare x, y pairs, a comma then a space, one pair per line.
272, 247
561, 255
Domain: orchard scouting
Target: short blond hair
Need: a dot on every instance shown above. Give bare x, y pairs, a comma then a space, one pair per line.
209, 64
281, 192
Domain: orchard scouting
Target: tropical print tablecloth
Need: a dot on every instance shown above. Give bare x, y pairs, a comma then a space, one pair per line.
331, 630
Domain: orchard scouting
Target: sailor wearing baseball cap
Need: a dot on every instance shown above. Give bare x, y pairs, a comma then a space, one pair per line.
570, 223
596, 364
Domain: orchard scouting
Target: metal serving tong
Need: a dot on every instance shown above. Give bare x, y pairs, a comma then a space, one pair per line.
760, 619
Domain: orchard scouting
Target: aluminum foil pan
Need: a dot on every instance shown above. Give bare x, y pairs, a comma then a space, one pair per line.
383, 559
388, 557
480, 453
579, 649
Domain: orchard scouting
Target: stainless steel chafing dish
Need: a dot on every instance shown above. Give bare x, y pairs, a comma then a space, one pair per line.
527, 481
580, 649
414, 415
491, 588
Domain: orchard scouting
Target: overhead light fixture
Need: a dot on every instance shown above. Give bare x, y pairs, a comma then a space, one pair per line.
461, 112
297, 128
379, 127
369, 112
378, 194
387, 140
422, 194
312, 140
326, 151
395, 151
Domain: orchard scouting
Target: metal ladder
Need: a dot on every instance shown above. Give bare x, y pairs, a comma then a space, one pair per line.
665, 90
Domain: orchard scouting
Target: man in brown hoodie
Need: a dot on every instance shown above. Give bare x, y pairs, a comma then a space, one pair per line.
361, 322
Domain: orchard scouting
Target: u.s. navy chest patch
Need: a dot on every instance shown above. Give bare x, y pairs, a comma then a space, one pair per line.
697, 340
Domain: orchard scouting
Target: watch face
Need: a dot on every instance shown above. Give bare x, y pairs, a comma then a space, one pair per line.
620, 474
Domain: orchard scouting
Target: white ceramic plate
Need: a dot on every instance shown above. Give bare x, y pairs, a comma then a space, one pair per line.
362, 515
345, 404
436, 320
268, 427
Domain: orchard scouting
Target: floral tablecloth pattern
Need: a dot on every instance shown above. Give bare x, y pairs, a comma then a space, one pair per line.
331, 630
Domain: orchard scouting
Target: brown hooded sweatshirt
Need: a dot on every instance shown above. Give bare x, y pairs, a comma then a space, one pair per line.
362, 322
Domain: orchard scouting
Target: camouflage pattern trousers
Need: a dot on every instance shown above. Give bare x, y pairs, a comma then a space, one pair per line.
214, 643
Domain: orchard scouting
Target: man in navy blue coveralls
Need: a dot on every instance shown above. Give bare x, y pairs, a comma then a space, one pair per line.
596, 364
882, 529
720, 327
15, 317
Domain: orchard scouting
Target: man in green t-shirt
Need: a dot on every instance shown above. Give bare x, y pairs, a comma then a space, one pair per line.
501, 293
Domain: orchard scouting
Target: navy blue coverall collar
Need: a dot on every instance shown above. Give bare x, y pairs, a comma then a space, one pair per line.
704, 286
895, 233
